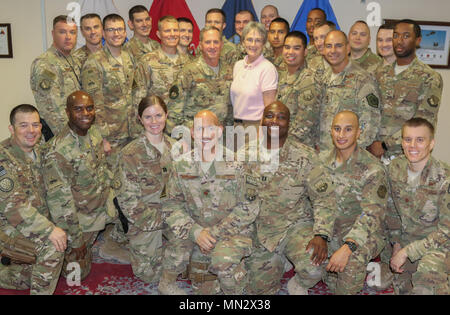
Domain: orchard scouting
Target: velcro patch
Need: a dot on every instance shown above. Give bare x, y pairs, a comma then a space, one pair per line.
372, 100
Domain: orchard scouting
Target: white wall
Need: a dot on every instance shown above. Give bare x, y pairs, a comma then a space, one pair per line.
25, 17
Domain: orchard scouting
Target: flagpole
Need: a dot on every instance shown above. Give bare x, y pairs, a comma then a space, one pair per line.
44, 26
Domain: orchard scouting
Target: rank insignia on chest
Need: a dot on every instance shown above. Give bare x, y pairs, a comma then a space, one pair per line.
45, 84
116, 184
250, 194
174, 92
164, 169
6, 184
321, 187
264, 178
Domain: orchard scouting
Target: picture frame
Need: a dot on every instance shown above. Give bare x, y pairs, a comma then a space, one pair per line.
5, 41
435, 45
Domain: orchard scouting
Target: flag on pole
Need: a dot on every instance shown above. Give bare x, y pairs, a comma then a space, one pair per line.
231, 7
176, 8
299, 23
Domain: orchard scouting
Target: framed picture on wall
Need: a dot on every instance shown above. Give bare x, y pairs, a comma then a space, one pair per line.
5, 41
435, 45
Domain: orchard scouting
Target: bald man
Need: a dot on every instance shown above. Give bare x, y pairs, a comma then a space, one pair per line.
294, 191
268, 14
211, 205
346, 86
361, 190
77, 181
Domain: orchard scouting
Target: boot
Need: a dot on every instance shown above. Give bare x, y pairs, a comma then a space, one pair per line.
168, 284
294, 287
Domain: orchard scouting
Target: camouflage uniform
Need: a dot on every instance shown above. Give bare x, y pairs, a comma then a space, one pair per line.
419, 220
53, 78
319, 65
416, 92
224, 200
79, 197
270, 55
199, 87
353, 89
24, 214
312, 52
300, 93
361, 203
228, 48
369, 61
82, 54
111, 85
137, 49
140, 186
297, 202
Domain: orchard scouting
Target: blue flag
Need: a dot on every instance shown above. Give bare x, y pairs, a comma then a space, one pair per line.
231, 7
299, 23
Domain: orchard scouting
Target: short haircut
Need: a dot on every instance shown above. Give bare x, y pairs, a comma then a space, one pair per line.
185, 20
112, 18
343, 33
216, 10
210, 28
136, 9
90, 16
166, 18
255, 26
271, 6
417, 29
330, 24
281, 20
386, 26
419, 122
245, 11
321, 10
59, 18
299, 35
151, 100
22, 108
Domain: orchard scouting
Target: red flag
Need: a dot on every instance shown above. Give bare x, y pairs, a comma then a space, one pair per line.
176, 8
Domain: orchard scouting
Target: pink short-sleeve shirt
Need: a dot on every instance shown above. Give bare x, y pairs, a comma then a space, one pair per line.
249, 83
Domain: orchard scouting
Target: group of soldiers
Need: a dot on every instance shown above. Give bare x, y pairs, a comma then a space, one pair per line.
351, 134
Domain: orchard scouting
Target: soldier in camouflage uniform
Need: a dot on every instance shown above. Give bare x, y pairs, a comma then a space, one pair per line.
298, 90
405, 93
212, 205
76, 177
108, 76
315, 17
55, 74
345, 86
91, 28
185, 45
203, 84
361, 190
24, 216
298, 201
420, 214
140, 22
361, 54
276, 35
140, 187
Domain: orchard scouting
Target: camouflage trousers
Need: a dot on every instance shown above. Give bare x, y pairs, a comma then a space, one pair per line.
42, 277
220, 271
70, 261
146, 253
266, 268
427, 276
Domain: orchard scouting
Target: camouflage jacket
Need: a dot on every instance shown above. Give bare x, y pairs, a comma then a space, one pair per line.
140, 182
301, 94
82, 54
422, 212
293, 189
111, 84
361, 190
198, 87
369, 61
416, 92
319, 65
137, 49
53, 78
224, 199
23, 208
228, 48
353, 89
312, 53
77, 183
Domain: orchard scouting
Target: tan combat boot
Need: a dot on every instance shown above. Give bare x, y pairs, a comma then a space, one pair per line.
168, 284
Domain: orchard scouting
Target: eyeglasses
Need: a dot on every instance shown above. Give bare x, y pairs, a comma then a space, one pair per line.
113, 30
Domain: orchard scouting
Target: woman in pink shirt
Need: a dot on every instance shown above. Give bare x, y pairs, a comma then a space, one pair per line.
255, 79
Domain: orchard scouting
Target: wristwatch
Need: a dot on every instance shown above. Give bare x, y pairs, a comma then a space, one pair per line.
351, 245
322, 236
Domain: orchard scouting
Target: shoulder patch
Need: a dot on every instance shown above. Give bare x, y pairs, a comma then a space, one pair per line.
433, 101
381, 192
372, 100
6, 184
174, 92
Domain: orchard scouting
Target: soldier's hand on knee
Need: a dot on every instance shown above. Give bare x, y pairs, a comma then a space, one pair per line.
320, 250
398, 260
205, 240
59, 239
339, 259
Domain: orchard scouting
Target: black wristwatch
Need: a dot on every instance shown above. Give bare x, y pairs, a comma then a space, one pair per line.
322, 236
351, 245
